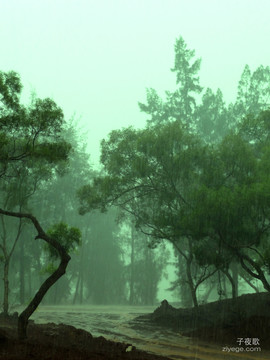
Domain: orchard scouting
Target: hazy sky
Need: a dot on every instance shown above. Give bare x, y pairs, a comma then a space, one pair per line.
96, 58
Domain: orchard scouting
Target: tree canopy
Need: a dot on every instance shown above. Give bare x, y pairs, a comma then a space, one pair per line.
32, 149
198, 174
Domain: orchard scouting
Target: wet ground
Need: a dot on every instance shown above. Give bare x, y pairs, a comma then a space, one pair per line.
119, 323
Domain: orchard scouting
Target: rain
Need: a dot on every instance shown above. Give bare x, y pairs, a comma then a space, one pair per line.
134, 179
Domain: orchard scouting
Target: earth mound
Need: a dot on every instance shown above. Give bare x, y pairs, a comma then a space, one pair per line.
62, 342
247, 316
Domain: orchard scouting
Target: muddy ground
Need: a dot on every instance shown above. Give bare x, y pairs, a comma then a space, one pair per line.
218, 322
62, 342
247, 316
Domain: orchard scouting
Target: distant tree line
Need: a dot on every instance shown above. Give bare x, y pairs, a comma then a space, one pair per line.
197, 176
43, 162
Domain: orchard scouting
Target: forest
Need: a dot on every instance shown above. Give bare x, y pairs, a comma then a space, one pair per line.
195, 178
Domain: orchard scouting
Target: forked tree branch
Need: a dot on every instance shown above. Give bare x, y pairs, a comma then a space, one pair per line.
65, 258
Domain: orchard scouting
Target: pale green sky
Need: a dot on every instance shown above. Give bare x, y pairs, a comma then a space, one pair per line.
96, 58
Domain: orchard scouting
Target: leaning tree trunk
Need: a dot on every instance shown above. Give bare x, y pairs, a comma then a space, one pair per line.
24, 316
259, 275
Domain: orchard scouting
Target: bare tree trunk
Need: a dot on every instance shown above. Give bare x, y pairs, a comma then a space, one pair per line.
22, 274
234, 268
190, 283
250, 283
52, 279
77, 288
7, 257
185, 293
79, 283
60, 271
55, 294
259, 275
192, 287
6, 286
231, 279
132, 260
81, 288
30, 282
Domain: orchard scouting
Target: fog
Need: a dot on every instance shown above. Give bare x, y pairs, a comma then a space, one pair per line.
96, 59
134, 167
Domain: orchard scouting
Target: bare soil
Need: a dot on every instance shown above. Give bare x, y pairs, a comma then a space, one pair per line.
62, 342
247, 316
219, 322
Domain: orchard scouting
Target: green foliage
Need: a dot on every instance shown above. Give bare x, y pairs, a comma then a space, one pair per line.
10, 89
206, 113
212, 117
253, 92
48, 269
30, 132
198, 171
154, 107
176, 187
206, 252
180, 104
68, 237
183, 99
155, 166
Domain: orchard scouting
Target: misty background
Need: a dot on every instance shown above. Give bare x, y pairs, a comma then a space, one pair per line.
95, 60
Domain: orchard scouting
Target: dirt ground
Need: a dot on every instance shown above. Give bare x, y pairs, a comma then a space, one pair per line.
223, 321
247, 316
62, 342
